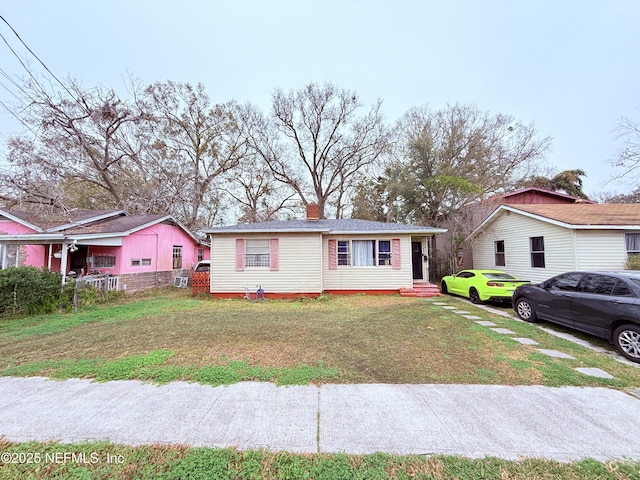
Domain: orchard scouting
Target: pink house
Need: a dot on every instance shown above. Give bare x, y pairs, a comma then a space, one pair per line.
136, 251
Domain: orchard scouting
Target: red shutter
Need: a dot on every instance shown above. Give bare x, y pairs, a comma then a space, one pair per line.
333, 255
239, 254
395, 254
273, 254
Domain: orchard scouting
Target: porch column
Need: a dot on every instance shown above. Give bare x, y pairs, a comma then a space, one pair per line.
63, 261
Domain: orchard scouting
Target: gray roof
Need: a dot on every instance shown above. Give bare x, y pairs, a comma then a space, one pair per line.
328, 226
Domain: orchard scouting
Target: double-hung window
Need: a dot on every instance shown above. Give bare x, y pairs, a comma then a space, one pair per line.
384, 252
499, 253
537, 252
632, 241
257, 253
344, 252
177, 257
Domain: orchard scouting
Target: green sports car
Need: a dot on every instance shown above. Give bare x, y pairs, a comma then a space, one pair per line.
481, 285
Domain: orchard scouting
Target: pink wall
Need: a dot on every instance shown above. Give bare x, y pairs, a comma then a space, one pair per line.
36, 255
155, 242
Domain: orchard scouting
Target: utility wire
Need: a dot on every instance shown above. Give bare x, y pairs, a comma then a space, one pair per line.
36, 57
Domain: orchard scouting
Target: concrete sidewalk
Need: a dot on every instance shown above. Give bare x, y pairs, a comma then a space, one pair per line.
564, 424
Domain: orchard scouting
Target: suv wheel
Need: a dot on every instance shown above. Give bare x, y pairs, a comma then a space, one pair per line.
525, 310
627, 340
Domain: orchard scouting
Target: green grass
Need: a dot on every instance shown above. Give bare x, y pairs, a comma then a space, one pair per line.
105, 460
151, 367
357, 339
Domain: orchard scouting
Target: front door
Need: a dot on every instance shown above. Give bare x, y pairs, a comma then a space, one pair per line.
416, 260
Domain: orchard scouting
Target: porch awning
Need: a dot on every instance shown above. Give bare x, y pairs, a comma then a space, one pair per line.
33, 239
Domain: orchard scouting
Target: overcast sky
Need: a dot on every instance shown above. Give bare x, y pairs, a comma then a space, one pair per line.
570, 67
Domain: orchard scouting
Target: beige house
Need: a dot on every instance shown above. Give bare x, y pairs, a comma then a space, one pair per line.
536, 242
314, 256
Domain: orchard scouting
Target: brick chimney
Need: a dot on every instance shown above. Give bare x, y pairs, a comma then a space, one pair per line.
313, 211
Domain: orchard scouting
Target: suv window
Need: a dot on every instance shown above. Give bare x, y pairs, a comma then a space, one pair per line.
599, 284
568, 281
621, 289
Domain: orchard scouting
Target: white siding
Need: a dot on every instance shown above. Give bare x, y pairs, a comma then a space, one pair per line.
299, 265
515, 230
368, 278
600, 250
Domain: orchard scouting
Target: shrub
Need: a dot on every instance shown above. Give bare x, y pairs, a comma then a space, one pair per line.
633, 262
29, 290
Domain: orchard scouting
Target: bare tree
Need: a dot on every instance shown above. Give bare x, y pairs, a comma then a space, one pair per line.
193, 144
84, 140
629, 155
447, 159
315, 141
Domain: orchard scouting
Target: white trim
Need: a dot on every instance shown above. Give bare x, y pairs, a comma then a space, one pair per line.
506, 208
20, 221
87, 220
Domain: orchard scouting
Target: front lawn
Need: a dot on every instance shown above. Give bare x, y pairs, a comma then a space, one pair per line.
353, 339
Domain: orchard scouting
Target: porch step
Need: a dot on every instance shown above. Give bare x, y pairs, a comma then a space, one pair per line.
425, 290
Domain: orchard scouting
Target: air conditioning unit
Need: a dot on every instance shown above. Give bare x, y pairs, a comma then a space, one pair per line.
181, 282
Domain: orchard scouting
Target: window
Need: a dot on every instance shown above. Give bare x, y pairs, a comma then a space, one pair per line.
177, 257
364, 253
256, 253
633, 243
604, 285
9, 255
537, 251
140, 262
384, 252
344, 253
600, 284
568, 281
200, 254
104, 261
499, 251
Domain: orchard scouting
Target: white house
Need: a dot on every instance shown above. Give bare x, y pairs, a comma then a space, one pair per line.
312, 256
536, 242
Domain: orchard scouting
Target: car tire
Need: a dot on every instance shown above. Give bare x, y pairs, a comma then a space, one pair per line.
525, 310
474, 296
626, 339
443, 288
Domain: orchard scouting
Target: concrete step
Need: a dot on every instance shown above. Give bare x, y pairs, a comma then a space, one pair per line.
421, 290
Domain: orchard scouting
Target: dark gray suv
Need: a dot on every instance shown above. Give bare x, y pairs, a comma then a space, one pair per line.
604, 304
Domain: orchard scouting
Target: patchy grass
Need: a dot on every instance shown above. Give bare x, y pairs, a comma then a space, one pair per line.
105, 460
355, 339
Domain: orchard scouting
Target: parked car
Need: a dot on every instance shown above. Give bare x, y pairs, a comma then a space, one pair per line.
203, 266
604, 304
481, 285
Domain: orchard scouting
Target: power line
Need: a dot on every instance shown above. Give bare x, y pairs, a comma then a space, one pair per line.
35, 56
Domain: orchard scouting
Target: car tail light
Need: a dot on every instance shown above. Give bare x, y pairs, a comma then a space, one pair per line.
495, 284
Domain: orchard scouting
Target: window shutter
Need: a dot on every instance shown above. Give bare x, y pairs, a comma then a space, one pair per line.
273, 254
333, 254
395, 254
239, 254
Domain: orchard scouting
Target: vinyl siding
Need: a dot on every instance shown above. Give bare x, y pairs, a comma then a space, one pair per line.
515, 230
600, 250
368, 278
298, 265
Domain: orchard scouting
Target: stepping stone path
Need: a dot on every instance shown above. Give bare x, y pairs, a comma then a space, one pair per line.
556, 353
594, 372
506, 331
